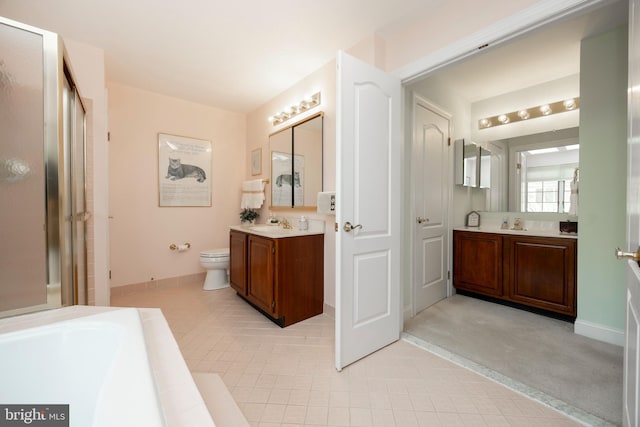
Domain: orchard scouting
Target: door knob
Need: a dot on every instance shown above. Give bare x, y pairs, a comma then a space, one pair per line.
83, 216
348, 226
420, 220
620, 254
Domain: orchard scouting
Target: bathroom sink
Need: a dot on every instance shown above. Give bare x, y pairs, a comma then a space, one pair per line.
269, 229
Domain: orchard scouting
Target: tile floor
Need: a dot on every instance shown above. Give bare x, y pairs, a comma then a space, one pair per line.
285, 377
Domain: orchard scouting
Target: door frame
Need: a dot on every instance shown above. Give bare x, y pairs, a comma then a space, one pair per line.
522, 22
410, 310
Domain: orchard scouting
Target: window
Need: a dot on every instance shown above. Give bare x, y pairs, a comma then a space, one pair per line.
545, 178
548, 196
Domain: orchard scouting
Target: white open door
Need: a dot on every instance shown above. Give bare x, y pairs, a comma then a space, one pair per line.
368, 205
632, 326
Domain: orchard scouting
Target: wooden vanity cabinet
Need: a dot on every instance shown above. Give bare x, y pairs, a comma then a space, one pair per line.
477, 263
238, 261
284, 277
534, 271
261, 278
542, 272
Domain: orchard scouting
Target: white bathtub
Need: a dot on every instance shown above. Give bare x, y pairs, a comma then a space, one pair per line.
98, 364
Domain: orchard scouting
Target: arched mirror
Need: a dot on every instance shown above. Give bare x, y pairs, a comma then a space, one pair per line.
296, 164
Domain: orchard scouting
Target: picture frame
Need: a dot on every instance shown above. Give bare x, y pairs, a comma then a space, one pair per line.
256, 161
184, 171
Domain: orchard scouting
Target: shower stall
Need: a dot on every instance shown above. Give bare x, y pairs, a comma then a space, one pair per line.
43, 213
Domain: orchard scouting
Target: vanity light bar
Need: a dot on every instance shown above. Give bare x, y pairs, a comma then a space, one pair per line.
290, 112
530, 113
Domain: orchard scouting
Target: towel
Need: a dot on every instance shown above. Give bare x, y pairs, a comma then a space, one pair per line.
252, 194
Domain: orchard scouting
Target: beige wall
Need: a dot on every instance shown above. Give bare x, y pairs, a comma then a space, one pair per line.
140, 231
446, 24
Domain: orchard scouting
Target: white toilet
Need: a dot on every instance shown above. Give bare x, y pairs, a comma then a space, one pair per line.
216, 262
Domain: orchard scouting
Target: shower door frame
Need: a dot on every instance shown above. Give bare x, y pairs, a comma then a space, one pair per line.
66, 256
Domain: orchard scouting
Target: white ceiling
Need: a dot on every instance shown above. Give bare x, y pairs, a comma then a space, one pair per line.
238, 55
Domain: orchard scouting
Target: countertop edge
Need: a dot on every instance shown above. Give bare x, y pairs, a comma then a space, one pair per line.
278, 233
531, 233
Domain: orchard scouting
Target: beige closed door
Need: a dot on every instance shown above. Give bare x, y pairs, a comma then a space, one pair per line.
430, 156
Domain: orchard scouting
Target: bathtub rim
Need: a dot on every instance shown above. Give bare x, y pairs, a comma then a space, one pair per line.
180, 400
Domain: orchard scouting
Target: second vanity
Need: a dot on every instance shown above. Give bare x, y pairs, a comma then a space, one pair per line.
278, 271
527, 268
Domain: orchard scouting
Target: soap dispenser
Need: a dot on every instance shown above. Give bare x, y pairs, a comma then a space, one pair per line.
303, 224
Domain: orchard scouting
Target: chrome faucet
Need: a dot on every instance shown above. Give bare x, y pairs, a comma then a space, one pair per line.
285, 224
517, 224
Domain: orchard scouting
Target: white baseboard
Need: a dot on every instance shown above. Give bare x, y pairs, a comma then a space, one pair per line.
329, 310
408, 313
599, 332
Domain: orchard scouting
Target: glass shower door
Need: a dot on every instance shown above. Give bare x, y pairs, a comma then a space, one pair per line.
23, 217
76, 214
43, 251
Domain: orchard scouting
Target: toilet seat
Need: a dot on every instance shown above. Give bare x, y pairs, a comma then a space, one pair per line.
215, 253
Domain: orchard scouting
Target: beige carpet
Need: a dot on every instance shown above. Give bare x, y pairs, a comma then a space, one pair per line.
538, 351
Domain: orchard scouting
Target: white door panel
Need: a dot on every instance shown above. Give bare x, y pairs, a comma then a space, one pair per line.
371, 296
632, 342
433, 261
368, 197
430, 154
632, 326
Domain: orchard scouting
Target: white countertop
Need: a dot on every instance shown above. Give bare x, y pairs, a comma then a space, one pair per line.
523, 232
278, 232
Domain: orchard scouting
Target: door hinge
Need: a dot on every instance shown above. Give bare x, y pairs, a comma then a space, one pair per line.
273, 250
449, 141
449, 275
108, 136
518, 165
273, 305
335, 226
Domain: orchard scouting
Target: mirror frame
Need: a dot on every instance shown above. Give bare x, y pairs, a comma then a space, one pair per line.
292, 153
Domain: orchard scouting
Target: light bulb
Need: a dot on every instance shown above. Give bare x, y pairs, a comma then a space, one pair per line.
569, 104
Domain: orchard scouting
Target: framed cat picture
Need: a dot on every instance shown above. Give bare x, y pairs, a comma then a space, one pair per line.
184, 171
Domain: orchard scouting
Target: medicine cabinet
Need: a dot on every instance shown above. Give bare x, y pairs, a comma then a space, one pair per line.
472, 164
296, 164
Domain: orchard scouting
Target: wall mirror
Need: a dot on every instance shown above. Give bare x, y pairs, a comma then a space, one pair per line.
540, 172
296, 164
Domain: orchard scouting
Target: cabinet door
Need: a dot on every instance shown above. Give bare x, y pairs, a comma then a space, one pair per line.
542, 273
477, 262
260, 270
238, 261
